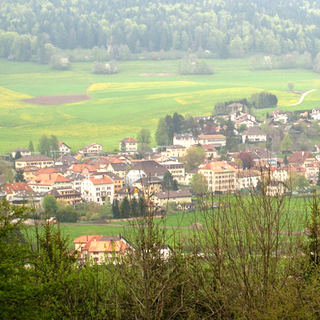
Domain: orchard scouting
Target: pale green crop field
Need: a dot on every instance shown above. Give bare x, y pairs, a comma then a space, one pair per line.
124, 103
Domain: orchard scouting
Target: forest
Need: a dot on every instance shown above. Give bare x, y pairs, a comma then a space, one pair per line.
215, 28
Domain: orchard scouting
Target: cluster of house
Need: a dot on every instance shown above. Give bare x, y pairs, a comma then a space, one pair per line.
99, 179
92, 176
102, 179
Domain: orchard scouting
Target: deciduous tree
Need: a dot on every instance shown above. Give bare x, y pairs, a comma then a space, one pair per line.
194, 157
199, 184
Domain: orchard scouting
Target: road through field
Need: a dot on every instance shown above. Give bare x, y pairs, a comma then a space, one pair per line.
302, 98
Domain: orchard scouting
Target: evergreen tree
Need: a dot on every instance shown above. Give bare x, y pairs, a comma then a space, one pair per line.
168, 182
125, 208
31, 147
142, 206
177, 122
17, 155
44, 145
19, 176
115, 209
135, 210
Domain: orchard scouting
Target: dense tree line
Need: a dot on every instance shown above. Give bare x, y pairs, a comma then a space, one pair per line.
29, 29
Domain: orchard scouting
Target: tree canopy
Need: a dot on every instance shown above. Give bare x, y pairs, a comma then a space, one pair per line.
36, 30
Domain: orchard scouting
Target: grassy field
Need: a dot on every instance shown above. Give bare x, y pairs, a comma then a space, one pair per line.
124, 103
178, 226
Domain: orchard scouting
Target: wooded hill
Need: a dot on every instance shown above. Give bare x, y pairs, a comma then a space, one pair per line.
224, 28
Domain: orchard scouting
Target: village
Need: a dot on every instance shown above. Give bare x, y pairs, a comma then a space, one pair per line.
167, 178
170, 173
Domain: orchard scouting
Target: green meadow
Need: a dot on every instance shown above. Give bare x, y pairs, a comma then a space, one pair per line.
135, 98
178, 226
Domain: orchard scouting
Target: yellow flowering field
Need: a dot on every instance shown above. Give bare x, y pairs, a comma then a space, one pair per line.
125, 86
11, 99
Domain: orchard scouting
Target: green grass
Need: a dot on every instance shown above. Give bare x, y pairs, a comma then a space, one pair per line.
127, 102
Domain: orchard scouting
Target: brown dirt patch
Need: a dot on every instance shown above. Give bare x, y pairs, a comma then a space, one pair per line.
57, 100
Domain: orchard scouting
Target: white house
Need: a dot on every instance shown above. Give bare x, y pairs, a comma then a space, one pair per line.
246, 119
97, 188
185, 140
315, 113
247, 179
145, 169
216, 140
64, 148
128, 145
23, 151
279, 116
93, 149
254, 134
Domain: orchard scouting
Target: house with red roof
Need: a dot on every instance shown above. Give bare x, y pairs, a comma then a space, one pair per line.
83, 169
220, 175
99, 249
128, 145
12, 189
46, 182
98, 188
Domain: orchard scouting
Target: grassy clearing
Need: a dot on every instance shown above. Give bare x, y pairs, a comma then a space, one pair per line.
124, 103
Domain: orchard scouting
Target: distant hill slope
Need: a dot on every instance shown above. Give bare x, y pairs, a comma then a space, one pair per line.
224, 28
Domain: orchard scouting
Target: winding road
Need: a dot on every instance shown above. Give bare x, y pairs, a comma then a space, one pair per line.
302, 98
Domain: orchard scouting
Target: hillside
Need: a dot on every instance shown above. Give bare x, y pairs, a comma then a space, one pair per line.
225, 28
137, 97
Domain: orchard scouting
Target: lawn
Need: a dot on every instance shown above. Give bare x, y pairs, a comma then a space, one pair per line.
124, 103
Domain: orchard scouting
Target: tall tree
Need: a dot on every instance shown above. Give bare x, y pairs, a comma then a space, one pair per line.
168, 182
31, 147
177, 122
144, 136
115, 209
19, 176
199, 184
135, 210
17, 155
194, 157
125, 208
50, 205
286, 143
44, 145
162, 134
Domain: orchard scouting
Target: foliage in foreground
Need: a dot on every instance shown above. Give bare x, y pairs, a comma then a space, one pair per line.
245, 261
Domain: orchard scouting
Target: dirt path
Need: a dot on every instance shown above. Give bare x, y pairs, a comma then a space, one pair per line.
302, 98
